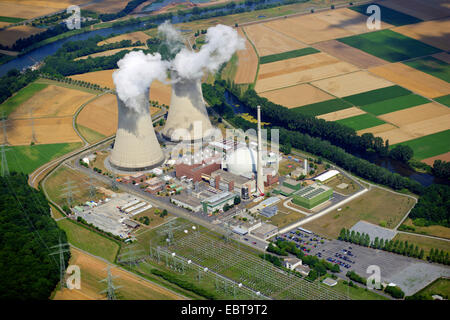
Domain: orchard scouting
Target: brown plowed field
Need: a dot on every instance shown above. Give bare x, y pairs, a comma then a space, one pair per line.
412, 79
443, 157
133, 36
297, 96
425, 10
443, 56
268, 41
349, 54
435, 33
341, 114
107, 6
53, 101
247, 62
9, 36
352, 83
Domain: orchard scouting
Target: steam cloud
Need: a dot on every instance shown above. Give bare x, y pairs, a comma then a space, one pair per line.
135, 75
221, 43
171, 36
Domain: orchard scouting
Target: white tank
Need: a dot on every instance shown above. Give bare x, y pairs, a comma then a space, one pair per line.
136, 147
187, 119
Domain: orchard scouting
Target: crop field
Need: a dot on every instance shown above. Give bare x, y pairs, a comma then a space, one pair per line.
377, 206
268, 41
296, 96
442, 56
394, 104
9, 36
433, 66
362, 121
26, 159
341, 114
351, 83
444, 100
413, 79
433, 33
440, 287
389, 45
21, 96
247, 65
443, 157
287, 55
323, 107
9, 20
430, 145
133, 36
425, 10
107, 6
30, 9
90, 135
389, 15
108, 52
376, 95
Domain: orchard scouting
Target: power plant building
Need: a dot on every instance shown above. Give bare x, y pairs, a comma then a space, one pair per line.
227, 181
196, 171
218, 201
311, 196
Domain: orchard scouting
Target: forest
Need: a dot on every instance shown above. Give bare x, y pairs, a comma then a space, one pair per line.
27, 235
433, 207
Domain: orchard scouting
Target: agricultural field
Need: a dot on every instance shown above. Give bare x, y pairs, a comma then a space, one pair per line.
108, 53
389, 15
106, 6
94, 270
431, 145
296, 96
324, 107
341, 114
27, 9
394, 104
373, 96
26, 159
20, 97
361, 122
434, 230
443, 157
9, 36
287, 55
425, 10
437, 68
440, 287
133, 36
377, 206
444, 100
247, 64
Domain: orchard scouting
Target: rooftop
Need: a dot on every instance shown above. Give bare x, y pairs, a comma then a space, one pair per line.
312, 191
326, 175
228, 176
189, 200
217, 198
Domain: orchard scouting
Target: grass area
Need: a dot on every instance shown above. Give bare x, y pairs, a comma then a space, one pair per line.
285, 216
337, 180
430, 145
377, 206
433, 66
389, 45
90, 135
436, 230
323, 107
287, 166
21, 96
358, 293
377, 95
67, 85
26, 159
10, 19
229, 72
362, 121
388, 15
394, 104
440, 287
423, 242
444, 100
88, 240
287, 55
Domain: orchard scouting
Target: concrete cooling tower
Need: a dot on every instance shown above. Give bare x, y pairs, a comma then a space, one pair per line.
187, 113
136, 147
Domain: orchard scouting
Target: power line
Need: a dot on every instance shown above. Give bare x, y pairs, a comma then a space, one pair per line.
69, 191
61, 249
4, 125
4, 164
111, 288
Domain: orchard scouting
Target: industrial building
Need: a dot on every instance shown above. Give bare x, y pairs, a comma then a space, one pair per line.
196, 171
265, 231
326, 176
312, 195
271, 201
227, 181
154, 185
187, 202
288, 187
218, 201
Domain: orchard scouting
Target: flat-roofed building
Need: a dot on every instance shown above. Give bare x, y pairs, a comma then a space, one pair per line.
265, 231
326, 176
227, 181
187, 202
311, 196
154, 185
135, 178
218, 201
195, 171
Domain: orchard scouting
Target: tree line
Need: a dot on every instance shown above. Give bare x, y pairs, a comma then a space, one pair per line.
27, 231
433, 207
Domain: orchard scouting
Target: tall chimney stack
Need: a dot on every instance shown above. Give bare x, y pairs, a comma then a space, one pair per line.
259, 173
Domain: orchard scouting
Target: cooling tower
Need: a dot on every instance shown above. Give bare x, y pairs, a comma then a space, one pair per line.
187, 112
136, 147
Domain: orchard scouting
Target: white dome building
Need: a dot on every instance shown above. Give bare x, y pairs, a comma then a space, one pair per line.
243, 161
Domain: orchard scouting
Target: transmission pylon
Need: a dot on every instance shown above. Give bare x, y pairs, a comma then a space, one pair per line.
61, 249
33, 132
111, 288
69, 191
92, 188
4, 164
4, 125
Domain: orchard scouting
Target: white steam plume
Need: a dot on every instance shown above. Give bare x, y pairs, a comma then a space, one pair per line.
221, 43
171, 36
135, 75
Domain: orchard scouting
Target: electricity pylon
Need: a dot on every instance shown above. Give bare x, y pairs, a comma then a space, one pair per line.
61, 249
111, 288
4, 164
69, 191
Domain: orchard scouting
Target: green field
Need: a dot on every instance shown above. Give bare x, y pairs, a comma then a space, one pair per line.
362, 99
430, 146
26, 159
433, 66
319, 108
444, 100
440, 287
389, 45
358, 293
395, 104
90, 135
361, 122
10, 19
88, 240
21, 96
388, 15
287, 55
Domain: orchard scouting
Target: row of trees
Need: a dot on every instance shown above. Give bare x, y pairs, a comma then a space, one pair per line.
433, 207
13, 81
133, 4
394, 291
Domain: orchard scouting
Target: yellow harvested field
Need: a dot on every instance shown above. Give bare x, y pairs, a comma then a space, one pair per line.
296, 96
395, 135
268, 41
160, 92
443, 56
100, 115
443, 157
349, 54
93, 270
322, 26
412, 79
294, 71
428, 126
352, 83
107, 6
9, 36
425, 10
47, 130
133, 36
4, 24
410, 115
28, 9
108, 53
53, 101
435, 33
341, 114
377, 129
247, 63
